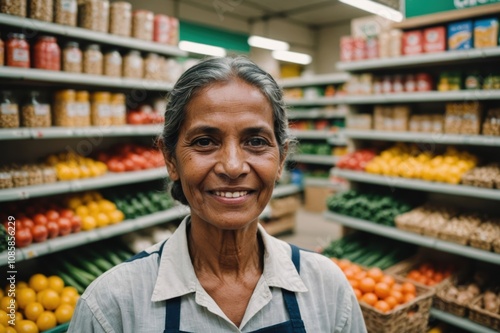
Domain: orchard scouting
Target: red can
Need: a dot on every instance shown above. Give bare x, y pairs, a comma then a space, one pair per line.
18, 51
424, 82
161, 31
346, 48
359, 48
47, 54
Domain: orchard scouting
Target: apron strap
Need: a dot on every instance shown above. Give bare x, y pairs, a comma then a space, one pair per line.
173, 315
290, 298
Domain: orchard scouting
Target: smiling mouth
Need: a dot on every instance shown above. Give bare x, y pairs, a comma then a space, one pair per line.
236, 194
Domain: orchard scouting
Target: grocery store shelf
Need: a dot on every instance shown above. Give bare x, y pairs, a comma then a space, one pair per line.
460, 322
320, 182
314, 114
429, 96
29, 25
41, 75
315, 159
85, 237
409, 237
420, 185
109, 179
314, 80
421, 59
76, 132
315, 101
287, 189
438, 138
312, 134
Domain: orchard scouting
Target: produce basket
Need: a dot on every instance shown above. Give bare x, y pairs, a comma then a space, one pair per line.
58, 329
411, 317
441, 302
483, 317
408, 224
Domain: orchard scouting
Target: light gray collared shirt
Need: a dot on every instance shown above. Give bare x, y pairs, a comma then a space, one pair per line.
130, 297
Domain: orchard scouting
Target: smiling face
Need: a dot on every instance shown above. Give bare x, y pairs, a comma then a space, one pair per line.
227, 157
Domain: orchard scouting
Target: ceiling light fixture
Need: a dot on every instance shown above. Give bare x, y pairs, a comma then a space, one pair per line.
299, 58
202, 48
268, 43
376, 8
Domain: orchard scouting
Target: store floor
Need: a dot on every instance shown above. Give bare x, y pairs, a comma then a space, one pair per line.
312, 231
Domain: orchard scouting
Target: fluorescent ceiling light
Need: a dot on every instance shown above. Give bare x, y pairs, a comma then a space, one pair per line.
299, 58
268, 43
202, 48
376, 8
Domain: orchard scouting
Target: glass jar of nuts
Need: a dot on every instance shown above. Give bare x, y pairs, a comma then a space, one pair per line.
13, 7
41, 10
118, 109
113, 63
133, 65
94, 15
65, 109
142, 24
72, 58
92, 60
65, 12
82, 102
9, 111
100, 108
120, 18
35, 113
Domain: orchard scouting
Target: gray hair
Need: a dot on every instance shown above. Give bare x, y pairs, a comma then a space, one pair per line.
211, 71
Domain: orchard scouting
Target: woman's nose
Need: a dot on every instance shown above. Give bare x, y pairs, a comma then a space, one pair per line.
232, 162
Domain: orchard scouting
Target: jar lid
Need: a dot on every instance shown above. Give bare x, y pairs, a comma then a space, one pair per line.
124, 4
119, 97
101, 96
112, 51
82, 95
93, 47
134, 53
65, 94
72, 44
47, 38
17, 36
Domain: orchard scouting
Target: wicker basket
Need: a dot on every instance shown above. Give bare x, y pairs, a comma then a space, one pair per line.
444, 304
496, 245
411, 317
483, 317
454, 238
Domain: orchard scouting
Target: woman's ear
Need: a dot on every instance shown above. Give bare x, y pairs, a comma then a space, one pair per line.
169, 161
283, 157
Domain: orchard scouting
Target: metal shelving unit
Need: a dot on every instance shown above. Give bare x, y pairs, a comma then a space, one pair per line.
438, 138
29, 25
311, 134
107, 180
314, 114
315, 159
460, 322
420, 185
314, 80
413, 238
429, 96
316, 101
287, 189
60, 77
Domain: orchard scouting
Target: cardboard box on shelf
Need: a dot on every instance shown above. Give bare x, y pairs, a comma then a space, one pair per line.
359, 121
460, 35
435, 39
413, 42
280, 225
486, 32
284, 206
315, 198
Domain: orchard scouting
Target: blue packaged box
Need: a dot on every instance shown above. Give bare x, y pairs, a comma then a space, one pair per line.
460, 35
486, 32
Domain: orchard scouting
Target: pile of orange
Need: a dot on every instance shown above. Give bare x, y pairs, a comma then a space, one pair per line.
375, 288
41, 303
428, 274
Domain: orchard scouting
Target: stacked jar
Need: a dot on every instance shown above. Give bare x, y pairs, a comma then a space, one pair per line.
118, 110
18, 51
41, 10
82, 108
72, 58
113, 63
34, 113
92, 60
65, 12
120, 18
9, 111
133, 65
65, 108
142, 24
2, 52
13, 7
100, 109
47, 54
94, 15
152, 67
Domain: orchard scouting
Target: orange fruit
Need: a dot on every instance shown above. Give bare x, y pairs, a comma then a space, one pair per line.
375, 273
21, 285
358, 294
354, 284
50, 299
409, 288
360, 275
19, 316
382, 290
63, 313
88, 223
33, 311
397, 287
101, 219
408, 297
389, 280
367, 285
398, 296
382, 306
38, 282
391, 301
10, 329
25, 296
4, 318
369, 298
26, 326
46, 321
349, 274
343, 264
2, 329
69, 290
116, 216
56, 283
355, 268
7, 302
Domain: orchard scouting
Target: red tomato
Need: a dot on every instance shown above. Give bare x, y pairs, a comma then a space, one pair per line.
119, 167
64, 226
40, 219
23, 237
39, 233
52, 215
26, 222
135, 118
67, 213
129, 165
53, 229
76, 223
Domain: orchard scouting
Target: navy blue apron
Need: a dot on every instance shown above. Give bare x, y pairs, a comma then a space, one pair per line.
294, 325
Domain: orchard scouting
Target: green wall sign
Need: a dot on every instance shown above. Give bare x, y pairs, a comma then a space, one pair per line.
424, 7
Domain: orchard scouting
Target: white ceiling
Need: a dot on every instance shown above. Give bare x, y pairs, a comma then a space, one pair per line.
312, 13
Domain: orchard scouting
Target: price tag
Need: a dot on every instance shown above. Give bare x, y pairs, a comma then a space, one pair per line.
30, 253
23, 195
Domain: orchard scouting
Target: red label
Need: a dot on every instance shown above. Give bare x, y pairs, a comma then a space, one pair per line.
435, 39
412, 42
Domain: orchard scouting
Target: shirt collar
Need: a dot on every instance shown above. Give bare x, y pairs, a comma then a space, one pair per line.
176, 276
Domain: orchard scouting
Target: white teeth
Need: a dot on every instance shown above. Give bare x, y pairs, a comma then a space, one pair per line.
231, 194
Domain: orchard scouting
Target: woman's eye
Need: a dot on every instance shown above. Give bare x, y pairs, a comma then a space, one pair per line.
203, 142
257, 142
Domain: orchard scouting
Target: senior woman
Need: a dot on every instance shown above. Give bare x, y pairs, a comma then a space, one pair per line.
225, 142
